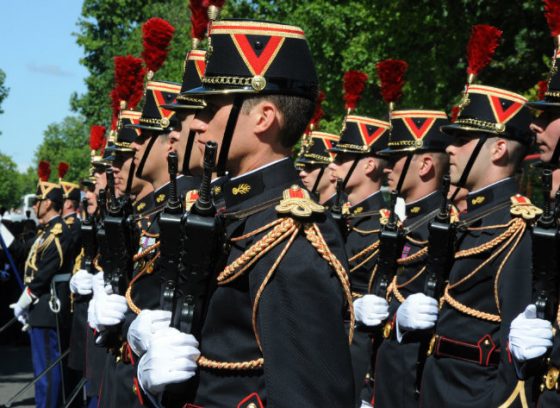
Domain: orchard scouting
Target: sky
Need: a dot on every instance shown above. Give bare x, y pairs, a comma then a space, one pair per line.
41, 60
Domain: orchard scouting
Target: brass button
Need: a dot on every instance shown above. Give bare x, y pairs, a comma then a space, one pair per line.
252, 405
486, 342
134, 389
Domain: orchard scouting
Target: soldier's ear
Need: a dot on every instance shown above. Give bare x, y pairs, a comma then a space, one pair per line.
426, 165
499, 150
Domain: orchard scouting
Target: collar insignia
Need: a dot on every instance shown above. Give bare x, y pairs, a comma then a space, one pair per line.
160, 198
243, 188
478, 200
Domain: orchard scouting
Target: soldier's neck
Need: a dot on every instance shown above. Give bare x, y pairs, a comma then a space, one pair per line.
146, 189
363, 191
327, 192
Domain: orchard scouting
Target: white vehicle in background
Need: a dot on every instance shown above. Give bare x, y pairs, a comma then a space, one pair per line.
24, 212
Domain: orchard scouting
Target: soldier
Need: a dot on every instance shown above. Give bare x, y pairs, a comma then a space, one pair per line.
417, 163
358, 163
70, 208
265, 328
531, 338
490, 282
44, 303
313, 162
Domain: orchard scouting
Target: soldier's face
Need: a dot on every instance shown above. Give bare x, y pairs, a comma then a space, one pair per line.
394, 169
309, 173
341, 166
91, 202
546, 128
178, 139
459, 153
100, 181
121, 170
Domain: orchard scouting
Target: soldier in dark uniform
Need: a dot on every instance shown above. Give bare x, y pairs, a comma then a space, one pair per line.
44, 304
531, 338
415, 138
358, 164
313, 162
490, 281
266, 325
70, 208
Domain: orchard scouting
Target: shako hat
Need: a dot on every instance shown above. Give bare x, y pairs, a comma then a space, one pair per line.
126, 134
195, 65
45, 188
258, 57
318, 148
362, 135
154, 115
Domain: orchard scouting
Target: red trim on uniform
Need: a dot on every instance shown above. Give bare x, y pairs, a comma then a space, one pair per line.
509, 353
254, 397
370, 137
504, 115
130, 354
137, 389
296, 193
192, 406
480, 349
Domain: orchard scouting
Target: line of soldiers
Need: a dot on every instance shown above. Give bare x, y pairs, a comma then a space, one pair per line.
212, 274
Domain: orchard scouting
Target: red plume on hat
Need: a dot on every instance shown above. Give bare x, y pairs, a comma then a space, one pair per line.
62, 169
542, 87
199, 21
129, 79
44, 170
157, 34
354, 83
552, 14
391, 77
97, 137
481, 48
317, 114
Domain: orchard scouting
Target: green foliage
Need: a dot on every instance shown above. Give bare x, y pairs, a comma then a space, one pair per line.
12, 184
3, 89
68, 142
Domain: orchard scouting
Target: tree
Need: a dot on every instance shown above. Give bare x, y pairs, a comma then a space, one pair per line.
10, 183
3, 89
66, 141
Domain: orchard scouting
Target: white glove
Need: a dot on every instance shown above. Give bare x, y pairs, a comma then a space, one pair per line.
529, 337
144, 326
170, 359
417, 312
366, 404
81, 282
25, 300
109, 310
371, 310
98, 284
92, 320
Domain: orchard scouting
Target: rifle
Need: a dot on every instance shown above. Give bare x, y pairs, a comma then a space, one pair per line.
391, 242
441, 246
336, 209
170, 242
545, 262
89, 241
100, 235
203, 241
121, 250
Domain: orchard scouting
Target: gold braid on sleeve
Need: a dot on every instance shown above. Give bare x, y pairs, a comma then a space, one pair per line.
147, 269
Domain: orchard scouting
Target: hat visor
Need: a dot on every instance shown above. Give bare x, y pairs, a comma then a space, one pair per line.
146, 127
118, 149
305, 160
182, 107
337, 149
204, 90
543, 105
389, 151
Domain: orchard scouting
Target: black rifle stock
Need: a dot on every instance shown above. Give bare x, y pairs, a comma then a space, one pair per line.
336, 209
545, 261
391, 242
120, 251
170, 237
441, 246
89, 241
203, 240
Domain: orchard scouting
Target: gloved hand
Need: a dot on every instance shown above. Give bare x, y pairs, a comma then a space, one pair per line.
81, 282
417, 312
371, 310
171, 358
25, 300
366, 404
98, 284
144, 326
109, 310
529, 337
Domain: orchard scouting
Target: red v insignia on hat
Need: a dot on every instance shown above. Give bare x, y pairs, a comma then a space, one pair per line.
369, 138
258, 65
200, 66
161, 101
419, 132
502, 115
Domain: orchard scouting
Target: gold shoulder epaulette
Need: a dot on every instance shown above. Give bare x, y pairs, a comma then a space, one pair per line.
69, 220
384, 214
297, 202
190, 199
56, 229
522, 207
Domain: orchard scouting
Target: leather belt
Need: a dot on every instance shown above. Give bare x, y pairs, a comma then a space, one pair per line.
484, 352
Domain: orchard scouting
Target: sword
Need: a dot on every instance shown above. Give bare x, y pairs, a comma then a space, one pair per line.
10, 322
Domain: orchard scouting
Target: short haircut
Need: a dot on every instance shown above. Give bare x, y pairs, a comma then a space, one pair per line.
75, 204
382, 164
56, 205
296, 111
516, 151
